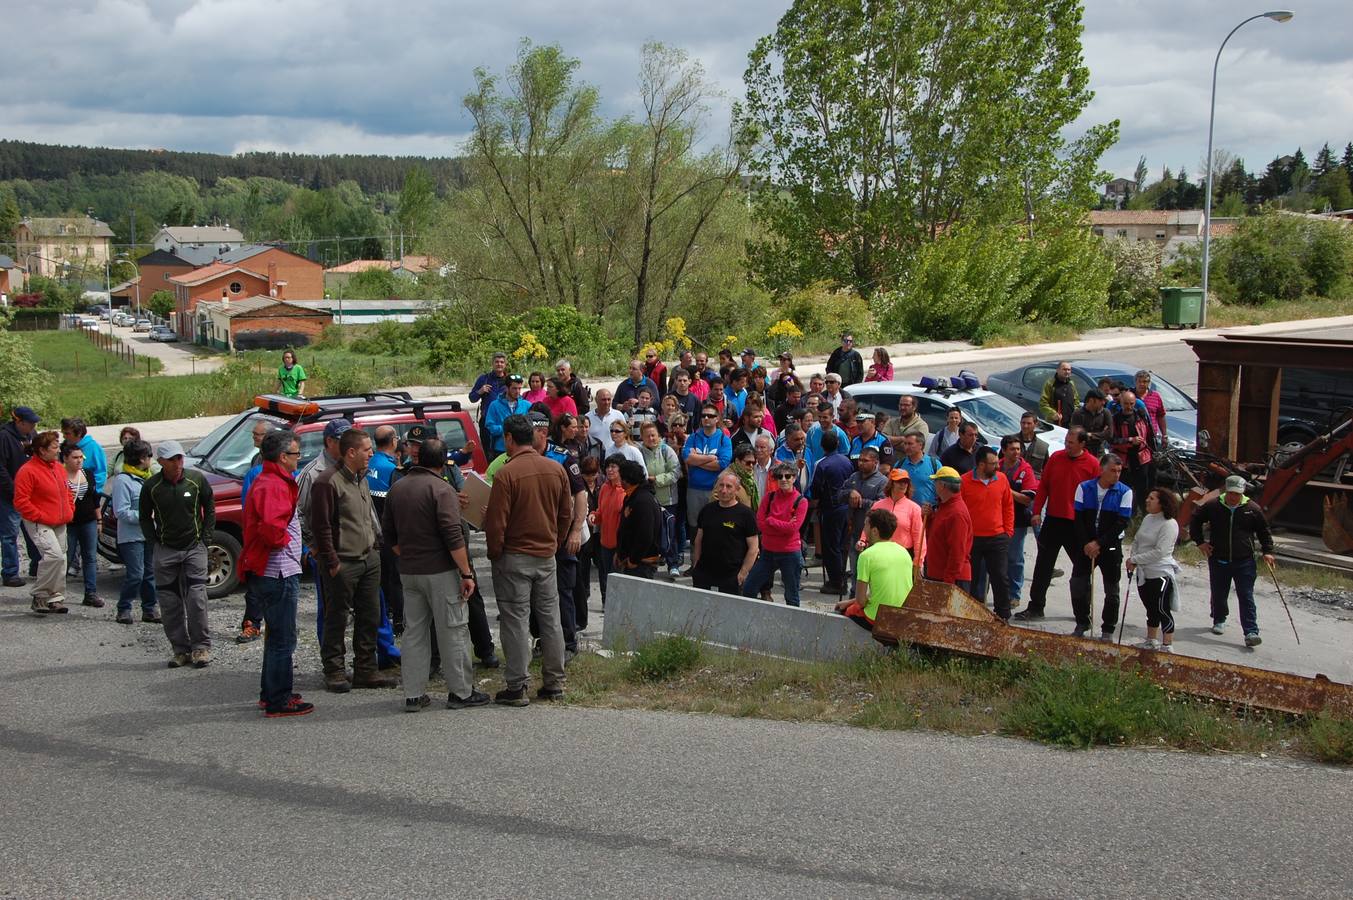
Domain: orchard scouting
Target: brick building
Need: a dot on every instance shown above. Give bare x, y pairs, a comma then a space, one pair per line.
304, 277
212, 283
258, 323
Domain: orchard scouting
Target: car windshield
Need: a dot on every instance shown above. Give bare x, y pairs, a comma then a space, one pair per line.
1174, 399
235, 455
217, 434
993, 414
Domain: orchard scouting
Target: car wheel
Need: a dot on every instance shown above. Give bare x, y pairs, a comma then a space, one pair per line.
223, 561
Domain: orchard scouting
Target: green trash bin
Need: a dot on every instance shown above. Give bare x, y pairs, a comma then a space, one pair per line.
1181, 306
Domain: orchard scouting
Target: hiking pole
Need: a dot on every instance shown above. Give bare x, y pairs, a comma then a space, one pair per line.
1274, 572
1122, 614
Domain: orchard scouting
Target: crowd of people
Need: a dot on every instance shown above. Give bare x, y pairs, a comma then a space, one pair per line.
728, 475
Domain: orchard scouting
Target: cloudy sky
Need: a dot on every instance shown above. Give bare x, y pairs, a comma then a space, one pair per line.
362, 77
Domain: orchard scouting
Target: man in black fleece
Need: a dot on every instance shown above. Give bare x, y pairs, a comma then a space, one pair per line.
638, 548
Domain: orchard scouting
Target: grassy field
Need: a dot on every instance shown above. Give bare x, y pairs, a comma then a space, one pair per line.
1072, 706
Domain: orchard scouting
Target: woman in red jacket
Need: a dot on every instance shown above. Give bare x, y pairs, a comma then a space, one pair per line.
606, 520
779, 516
43, 500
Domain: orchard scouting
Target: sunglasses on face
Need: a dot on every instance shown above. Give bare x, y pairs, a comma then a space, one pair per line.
617, 431
784, 477
709, 416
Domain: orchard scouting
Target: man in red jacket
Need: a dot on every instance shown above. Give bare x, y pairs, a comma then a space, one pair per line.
991, 505
948, 534
271, 560
1062, 475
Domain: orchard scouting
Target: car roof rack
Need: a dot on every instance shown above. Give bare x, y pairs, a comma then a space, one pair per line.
317, 409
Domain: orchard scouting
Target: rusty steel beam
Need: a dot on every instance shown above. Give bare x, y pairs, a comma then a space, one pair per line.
941, 616
1273, 352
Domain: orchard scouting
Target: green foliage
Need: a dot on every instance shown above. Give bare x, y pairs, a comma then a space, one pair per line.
374, 284
663, 658
387, 339
882, 125
974, 282
1083, 705
55, 294
162, 303
458, 347
1277, 257
22, 381
824, 312
1330, 739
1134, 288
341, 379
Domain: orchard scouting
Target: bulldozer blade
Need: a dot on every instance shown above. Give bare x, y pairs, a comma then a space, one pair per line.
941, 616
1337, 529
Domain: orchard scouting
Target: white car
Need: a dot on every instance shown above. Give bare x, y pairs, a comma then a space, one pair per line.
163, 334
994, 415
90, 323
122, 319
141, 325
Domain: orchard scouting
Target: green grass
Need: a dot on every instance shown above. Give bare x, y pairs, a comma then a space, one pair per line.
1072, 706
1024, 333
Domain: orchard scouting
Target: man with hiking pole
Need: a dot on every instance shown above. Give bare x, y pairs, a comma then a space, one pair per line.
1225, 529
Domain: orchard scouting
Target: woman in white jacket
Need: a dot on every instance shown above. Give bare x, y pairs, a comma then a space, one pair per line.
1153, 565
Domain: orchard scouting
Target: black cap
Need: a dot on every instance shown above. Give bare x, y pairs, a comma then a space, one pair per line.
1095, 394
419, 433
539, 419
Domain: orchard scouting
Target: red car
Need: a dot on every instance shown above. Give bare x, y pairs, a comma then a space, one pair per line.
227, 453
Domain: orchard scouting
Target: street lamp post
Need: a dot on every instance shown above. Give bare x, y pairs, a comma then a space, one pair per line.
1277, 15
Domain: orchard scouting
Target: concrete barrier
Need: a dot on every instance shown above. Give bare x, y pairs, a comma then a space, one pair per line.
638, 610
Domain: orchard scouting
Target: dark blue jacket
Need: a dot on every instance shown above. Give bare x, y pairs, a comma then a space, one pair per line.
12, 456
828, 479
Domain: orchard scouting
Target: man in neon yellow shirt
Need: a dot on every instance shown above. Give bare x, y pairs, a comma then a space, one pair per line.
883, 574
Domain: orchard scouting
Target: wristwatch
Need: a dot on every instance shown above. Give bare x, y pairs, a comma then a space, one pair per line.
469, 575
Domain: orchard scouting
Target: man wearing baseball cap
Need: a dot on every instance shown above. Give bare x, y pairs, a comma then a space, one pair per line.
1225, 529
178, 513
948, 534
14, 436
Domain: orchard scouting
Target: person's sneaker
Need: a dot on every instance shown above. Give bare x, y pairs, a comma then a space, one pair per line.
93, 600
123, 617
417, 704
337, 683
263, 704
1253, 639
1106, 635
248, 632
1148, 644
690, 570
375, 680
569, 655
1166, 648
14, 581
832, 588
476, 698
510, 697
1078, 631
294, 706
72, 572
1028, 615
179, 660
550, 694
201, 659
152, 616
1057, 573
1219, 627
674, 572
489, 662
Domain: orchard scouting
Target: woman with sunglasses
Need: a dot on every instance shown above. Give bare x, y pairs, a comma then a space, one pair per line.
606, 520
779, 516
621, 445
569, 432
743, 467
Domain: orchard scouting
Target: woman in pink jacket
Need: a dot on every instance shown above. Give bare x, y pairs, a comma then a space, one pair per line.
897, 500
779, 516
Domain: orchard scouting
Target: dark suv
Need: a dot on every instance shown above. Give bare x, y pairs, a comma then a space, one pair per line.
226, 454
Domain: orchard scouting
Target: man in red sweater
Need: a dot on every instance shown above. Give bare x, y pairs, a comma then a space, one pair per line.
1062, 475
991, 506
948, 534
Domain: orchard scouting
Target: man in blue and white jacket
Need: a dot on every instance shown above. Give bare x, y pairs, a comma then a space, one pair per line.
1103, 508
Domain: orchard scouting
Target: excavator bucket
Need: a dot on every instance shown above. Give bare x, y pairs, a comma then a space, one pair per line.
941, 616
1337, 529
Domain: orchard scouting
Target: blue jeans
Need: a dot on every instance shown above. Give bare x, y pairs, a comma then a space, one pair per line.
1015, 564
1240, 572
277, 597
9, 540
82, 544
138, 577
790, 566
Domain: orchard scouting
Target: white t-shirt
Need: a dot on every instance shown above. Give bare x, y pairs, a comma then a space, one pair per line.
599, 427
629, 451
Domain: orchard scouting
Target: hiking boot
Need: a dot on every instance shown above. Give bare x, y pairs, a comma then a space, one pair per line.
1219, 627
1106, 635
337, 683
1253, 639
550, 694
1028, 615
1057, 573
152, 616
263, 704
93, 600
40, 607
832, 587
1079, 631
179, 660
123, 617
476, 698
374, 680
488, 662
1148, 644
14, 581
201, 658
416, 704
294, 706
569, 655
248, 633
512, 697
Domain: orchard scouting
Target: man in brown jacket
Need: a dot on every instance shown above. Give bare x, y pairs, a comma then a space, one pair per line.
526, 523
421, 526
347, 550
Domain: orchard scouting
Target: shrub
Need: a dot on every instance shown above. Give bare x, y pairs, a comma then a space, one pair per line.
1082, 705
1134, 287
113, 407
1330, 739
22, 381
825, 312
162, 303
1264, 260
542, 334
665, 657
348, 380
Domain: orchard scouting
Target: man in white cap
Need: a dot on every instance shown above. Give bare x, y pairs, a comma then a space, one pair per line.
178, 513
1224, 529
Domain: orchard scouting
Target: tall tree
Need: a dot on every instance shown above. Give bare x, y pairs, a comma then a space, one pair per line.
417, 201
1139, 175
1324, 162
881, 122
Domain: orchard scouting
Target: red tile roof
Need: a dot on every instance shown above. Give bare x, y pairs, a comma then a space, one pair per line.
210, 272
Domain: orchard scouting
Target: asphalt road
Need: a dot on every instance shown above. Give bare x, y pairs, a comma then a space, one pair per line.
125, 778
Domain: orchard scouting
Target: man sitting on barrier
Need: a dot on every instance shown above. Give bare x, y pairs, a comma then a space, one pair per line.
883, 575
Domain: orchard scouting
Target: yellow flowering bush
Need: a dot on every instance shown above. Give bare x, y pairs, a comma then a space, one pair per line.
530, 348
729, 342
783, 333
676, 329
